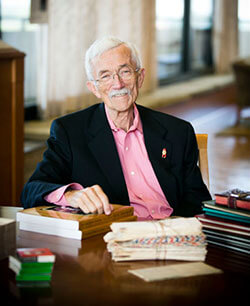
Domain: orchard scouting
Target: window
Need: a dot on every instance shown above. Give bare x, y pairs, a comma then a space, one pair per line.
200, 34
244, 27
169, 24
18, 32
183, 38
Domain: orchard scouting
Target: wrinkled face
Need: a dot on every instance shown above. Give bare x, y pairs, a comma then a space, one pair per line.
116, 82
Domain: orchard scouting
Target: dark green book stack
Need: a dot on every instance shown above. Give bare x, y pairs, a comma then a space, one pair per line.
32, 270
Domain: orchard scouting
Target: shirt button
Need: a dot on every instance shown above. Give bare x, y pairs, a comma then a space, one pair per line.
132, 173
152, 211
126, 148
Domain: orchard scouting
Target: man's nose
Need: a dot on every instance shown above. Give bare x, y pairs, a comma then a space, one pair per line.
117, 81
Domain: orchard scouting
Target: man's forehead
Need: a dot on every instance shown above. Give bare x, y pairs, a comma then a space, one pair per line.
114, 57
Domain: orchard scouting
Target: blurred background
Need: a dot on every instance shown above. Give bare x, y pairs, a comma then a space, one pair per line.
177, 40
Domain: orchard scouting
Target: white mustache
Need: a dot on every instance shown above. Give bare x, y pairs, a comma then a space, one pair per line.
118, 92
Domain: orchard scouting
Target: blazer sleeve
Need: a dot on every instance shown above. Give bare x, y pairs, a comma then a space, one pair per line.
53, 171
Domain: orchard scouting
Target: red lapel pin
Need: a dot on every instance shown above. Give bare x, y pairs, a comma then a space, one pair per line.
164, 153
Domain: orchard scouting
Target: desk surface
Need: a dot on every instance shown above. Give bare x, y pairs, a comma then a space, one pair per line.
84, 274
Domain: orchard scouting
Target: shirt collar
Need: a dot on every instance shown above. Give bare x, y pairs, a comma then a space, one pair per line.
137, 125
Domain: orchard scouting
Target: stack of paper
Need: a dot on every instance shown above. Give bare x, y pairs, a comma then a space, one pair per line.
32, 265
7, 237
172, 238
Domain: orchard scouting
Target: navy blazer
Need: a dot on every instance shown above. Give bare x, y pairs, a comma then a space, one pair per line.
81, 149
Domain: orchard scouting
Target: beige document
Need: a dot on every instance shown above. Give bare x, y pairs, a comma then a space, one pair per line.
175, 271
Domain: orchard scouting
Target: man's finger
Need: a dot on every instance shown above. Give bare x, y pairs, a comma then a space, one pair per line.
91, 200
84, 208
94, 197
104, 199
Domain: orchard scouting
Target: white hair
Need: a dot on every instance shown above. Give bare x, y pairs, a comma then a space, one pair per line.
104, 44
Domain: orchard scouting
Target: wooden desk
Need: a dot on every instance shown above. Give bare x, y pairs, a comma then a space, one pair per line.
84, 274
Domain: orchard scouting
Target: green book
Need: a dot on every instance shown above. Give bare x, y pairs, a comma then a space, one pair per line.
225, 215
33, 277
30, 270
30, 265
239, 212
35, 270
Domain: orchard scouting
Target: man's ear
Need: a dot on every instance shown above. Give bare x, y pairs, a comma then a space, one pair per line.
93, 88
141, 77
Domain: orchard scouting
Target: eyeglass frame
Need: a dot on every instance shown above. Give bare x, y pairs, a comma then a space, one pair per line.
117, 73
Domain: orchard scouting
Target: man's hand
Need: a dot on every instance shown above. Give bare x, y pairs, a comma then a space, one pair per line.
89, 200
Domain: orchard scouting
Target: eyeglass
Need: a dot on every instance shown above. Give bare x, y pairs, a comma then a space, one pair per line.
124, 73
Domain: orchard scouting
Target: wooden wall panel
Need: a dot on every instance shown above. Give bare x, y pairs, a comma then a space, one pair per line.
11, 125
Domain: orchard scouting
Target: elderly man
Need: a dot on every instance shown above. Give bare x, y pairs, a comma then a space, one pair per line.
118, 151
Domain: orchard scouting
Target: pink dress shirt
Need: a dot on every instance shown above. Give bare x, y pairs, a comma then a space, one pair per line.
145, 193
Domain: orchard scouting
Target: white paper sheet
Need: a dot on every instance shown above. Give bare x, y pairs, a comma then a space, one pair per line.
175, 271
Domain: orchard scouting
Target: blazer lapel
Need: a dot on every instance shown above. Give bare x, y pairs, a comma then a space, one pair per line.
157, 144
102, 146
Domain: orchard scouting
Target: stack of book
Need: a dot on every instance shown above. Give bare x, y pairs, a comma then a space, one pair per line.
226, 221
71, 222
32, 265
7, 237
172, 238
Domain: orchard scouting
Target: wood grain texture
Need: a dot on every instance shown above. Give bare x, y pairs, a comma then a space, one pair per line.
11, 128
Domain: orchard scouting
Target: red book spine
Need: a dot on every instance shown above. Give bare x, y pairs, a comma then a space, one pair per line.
35, 254
223, 200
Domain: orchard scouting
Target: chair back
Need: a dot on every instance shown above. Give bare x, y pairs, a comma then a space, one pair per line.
203, 159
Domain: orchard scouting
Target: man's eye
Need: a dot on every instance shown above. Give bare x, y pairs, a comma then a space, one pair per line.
105, 77
125, 72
